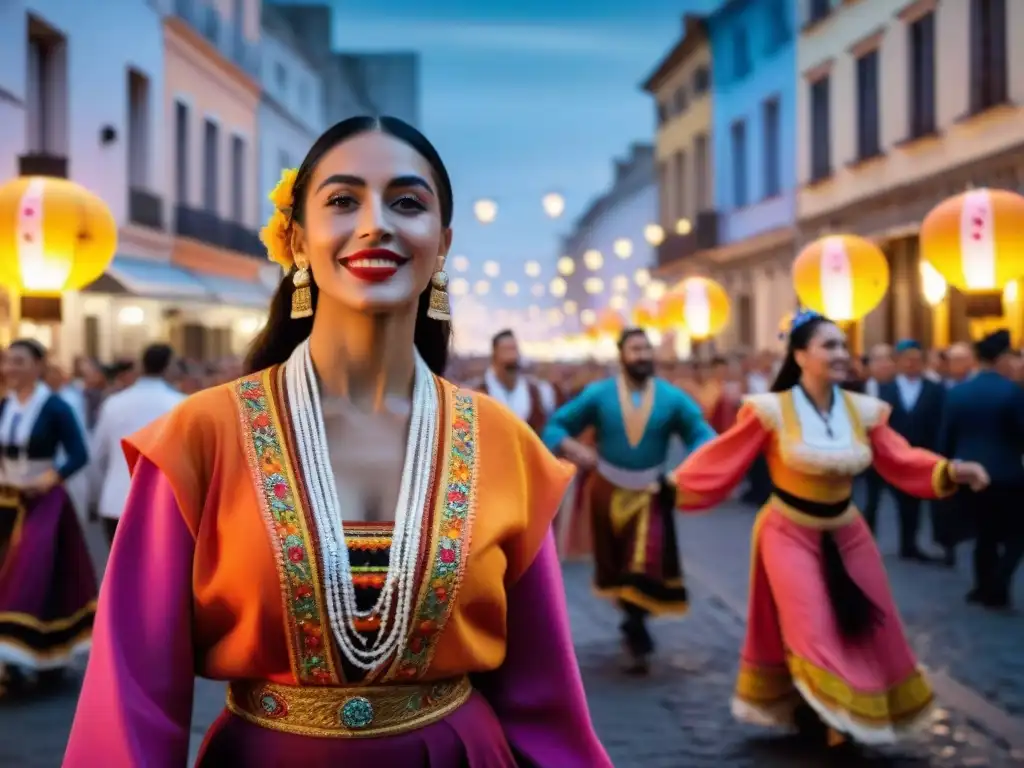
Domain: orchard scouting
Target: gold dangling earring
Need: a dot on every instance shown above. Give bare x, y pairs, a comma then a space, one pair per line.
302, 296
440, 308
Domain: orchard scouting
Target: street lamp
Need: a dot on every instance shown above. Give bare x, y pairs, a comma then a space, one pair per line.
486, 211
642, 277
459, 286
481, 287
654, 234
683, 227
492, 269
593, 259
557, 287
532, 269
623, 247
593, 285
566, 266
460, 263
554, 205
511, 288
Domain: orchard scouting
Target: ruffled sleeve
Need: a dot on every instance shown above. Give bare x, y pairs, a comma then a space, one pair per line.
915, 471
709, 474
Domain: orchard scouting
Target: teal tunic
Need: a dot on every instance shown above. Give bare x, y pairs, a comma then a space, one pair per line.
673, 413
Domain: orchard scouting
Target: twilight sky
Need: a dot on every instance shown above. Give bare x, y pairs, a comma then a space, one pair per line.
522, 98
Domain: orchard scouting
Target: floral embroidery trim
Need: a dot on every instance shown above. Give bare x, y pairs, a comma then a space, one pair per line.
276, 487
449, 543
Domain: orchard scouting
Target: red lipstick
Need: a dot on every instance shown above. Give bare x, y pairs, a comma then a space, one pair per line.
374, 265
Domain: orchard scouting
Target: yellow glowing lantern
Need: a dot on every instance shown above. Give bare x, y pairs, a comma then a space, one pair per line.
975, 240
610, 323
843, 277
698, 303
57, 236
645, 315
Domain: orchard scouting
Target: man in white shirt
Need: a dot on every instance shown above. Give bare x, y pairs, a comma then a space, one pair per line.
531, 400
121, 415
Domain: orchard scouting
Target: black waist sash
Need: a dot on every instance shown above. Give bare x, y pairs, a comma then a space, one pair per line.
855, 613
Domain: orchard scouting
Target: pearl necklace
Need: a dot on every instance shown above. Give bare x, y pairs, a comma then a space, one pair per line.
394, 604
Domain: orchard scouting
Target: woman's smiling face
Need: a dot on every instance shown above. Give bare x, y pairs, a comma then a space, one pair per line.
372, 228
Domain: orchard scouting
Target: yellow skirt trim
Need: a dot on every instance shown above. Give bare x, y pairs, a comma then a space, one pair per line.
899, 704
654, 607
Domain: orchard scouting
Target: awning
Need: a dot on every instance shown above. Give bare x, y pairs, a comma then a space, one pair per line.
155, 279
234, 292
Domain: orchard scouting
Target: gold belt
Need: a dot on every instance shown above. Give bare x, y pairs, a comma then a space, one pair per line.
346, 712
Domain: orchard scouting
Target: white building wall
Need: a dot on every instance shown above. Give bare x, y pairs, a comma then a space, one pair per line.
291, 115
91, 91
625, 219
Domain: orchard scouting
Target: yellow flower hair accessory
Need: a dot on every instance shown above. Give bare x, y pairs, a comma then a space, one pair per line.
276, 235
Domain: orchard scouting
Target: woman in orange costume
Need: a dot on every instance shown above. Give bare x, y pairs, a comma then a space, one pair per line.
825, 647
427, 629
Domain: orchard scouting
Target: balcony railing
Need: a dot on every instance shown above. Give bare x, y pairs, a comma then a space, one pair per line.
211, 229
224, 34
703, 236
145, 209
43, 165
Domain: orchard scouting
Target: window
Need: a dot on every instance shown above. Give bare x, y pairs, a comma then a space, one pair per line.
701, 80
740, 53
739, 164
661, 113
922, 75
181, 153
988, 54
681, 101
680, 179
772, 148
138, 130
211, 136
46, 91
868, 124
700, 161
821, 128
777, 23
238, 179
818, 10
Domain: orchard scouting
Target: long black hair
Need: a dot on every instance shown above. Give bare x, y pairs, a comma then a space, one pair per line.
281, 335
799, 339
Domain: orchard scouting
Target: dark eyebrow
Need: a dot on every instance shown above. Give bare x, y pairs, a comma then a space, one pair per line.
355, 181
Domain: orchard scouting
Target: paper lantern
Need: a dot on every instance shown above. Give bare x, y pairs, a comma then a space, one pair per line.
610, 323
843, 277
975, 240
645, 315
56, 236
698, 303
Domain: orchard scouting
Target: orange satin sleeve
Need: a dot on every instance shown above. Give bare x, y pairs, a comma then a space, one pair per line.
914, 471
709, 474
183, 445
518, 488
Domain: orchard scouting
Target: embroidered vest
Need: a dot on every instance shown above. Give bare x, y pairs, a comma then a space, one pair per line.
536, 418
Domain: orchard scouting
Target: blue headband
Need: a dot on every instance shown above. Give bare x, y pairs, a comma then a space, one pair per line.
907, 344
802, 317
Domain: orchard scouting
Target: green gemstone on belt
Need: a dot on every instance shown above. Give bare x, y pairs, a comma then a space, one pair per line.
357, 713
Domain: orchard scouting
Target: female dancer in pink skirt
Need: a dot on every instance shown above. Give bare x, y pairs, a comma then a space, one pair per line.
825, 648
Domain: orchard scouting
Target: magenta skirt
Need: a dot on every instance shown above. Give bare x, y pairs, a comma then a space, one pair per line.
47, 584
470, 737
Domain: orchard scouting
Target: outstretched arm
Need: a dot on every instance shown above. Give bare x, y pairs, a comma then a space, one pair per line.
707, 476
690, 424
571, 419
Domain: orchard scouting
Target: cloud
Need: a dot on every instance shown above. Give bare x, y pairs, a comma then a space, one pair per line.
489, 37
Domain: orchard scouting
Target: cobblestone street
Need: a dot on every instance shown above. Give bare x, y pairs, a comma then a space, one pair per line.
679, 718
